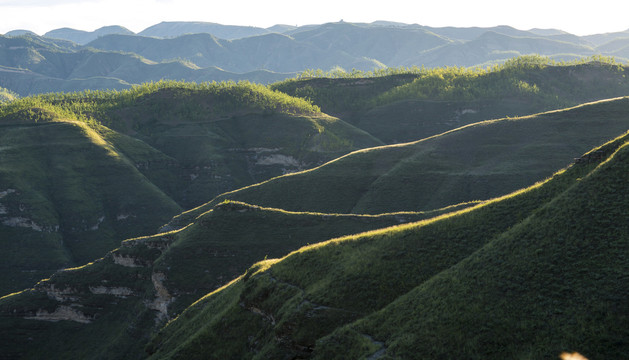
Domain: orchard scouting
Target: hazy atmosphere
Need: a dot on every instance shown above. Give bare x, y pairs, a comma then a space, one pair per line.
314, 180
579, 18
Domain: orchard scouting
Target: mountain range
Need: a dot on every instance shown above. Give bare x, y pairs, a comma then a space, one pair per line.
115, 58
426, 213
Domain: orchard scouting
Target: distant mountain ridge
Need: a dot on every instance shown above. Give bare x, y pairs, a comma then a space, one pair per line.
201, 51
83, 37
227, 32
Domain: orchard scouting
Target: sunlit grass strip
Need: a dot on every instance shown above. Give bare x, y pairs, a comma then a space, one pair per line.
13, 294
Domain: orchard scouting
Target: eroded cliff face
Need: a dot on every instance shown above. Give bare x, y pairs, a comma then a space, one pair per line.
162, 299
63, 312
123, 278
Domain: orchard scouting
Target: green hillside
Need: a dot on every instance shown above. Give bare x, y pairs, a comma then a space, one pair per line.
68, 195
411, 104
111, 306
484, 270
529, 275
218, 137
476, 162
81, 172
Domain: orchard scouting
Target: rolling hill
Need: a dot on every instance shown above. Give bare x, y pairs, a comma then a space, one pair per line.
68, 196
475, 162
171, 29
73, 187
83, 37
135, 288
493, 47
425, 102
350, 296
274, 52
533, 274
33, 65
391, 46
80, 172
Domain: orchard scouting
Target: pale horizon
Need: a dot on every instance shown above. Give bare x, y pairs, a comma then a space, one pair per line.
41, 16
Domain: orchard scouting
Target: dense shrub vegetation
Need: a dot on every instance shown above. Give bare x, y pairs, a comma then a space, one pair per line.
531, 76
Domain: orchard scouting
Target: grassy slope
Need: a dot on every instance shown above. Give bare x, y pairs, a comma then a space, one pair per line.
412, 106
184, 142
528, 275
195, 260
476, 162
69, 196
553, 283
221, 137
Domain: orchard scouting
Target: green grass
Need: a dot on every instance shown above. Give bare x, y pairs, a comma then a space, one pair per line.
529, 275
215, 137
548, 285
72, 195
216, 248
475, 162
93, 168
411, 104
108, 165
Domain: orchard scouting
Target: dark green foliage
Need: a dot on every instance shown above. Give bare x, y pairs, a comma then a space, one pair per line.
407, 104
69, 197
215, 137
80, 188
551, 284
476, 162
63, 156
532, 274
119, 294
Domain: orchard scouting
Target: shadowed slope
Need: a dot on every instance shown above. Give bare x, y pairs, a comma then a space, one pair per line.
553, 283
111, 306
67, 196
475, 162
215, 138
532, 274
73, 189
412, 105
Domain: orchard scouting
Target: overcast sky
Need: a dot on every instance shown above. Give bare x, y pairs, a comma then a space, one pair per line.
577, 17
